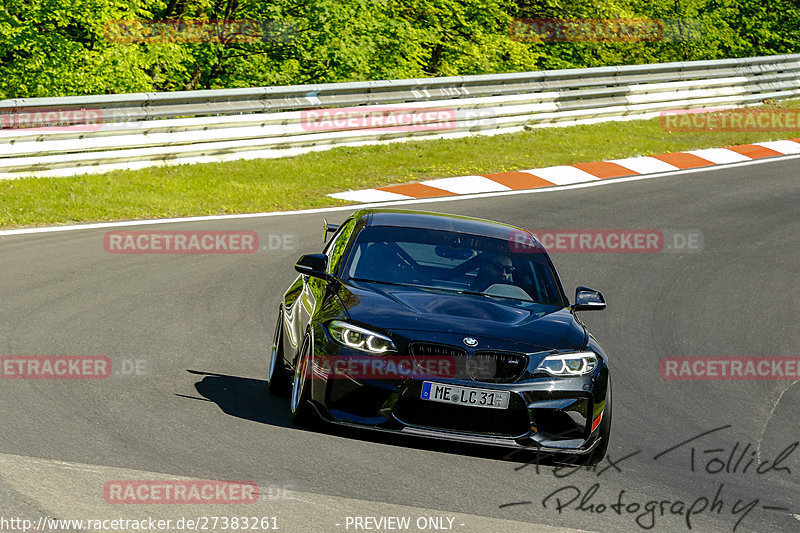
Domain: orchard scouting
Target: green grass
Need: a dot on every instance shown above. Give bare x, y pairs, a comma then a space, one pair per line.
304, 181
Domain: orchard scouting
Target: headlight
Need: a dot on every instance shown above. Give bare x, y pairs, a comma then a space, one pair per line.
569, 364
359, 338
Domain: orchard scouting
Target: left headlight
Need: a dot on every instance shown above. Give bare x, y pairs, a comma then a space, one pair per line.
359, 338
569, 364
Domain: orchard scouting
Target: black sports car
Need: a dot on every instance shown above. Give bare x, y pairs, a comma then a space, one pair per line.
442, 326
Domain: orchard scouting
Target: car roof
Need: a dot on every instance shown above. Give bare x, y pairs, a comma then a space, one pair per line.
436, 221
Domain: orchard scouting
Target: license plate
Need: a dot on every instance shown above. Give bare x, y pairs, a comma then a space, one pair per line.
453, 394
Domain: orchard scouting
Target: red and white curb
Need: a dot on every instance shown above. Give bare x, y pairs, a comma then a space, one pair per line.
571, 174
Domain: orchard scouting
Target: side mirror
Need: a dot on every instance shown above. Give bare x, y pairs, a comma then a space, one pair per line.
327, 227
587, 299
313, 265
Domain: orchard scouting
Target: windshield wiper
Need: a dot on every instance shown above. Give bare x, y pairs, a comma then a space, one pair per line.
447, 289
399, 284
486, 294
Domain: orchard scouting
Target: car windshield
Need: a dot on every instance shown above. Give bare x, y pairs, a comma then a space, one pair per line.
454, 262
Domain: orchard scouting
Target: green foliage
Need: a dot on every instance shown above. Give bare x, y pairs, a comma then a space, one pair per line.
63, 47
56, 47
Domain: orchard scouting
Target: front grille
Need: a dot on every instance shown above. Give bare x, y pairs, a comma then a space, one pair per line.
429, 348
458, 355
497, 367
484, 365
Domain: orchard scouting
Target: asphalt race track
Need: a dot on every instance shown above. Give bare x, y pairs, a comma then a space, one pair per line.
199, 327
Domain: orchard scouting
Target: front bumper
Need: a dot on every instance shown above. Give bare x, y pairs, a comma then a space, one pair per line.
465, 438
559, 415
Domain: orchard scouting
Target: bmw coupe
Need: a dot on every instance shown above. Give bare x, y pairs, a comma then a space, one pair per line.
442, 326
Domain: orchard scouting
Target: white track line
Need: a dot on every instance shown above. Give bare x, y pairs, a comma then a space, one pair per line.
355, 207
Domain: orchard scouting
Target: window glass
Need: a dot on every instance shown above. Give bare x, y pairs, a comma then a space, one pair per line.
337, 244
454, 262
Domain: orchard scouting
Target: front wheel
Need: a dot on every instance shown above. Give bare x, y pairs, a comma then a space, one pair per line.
299, 399
277, 380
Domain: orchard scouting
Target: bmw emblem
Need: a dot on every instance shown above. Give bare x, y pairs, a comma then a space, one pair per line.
469, 341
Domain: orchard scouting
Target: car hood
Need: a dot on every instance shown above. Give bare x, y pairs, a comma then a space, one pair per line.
396, 308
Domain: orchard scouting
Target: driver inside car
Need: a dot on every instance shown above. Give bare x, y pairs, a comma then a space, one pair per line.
496, 269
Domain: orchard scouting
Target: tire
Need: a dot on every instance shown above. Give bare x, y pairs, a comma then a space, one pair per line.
302, 412
277, 380
599, 452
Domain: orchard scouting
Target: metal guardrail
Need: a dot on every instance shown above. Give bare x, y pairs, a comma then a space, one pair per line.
143, 129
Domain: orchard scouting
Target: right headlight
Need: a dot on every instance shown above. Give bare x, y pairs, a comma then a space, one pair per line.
569, 364
359, 338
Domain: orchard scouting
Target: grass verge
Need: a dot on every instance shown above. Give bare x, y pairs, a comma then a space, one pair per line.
304, 181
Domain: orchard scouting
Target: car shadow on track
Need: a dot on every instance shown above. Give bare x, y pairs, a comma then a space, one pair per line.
248, 399
243, 398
